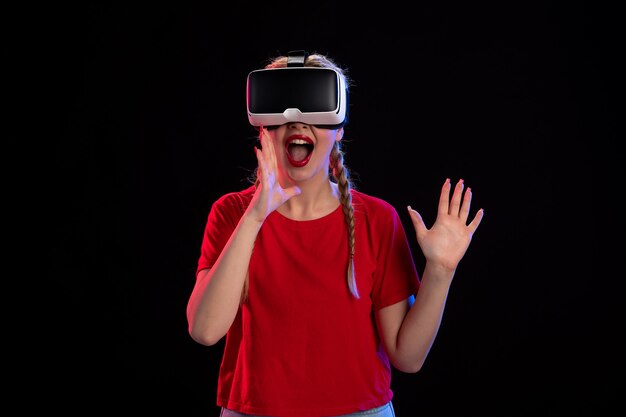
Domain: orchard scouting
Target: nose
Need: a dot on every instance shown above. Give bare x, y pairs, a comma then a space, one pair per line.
297, 125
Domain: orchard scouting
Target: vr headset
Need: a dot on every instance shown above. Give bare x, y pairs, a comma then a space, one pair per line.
312, 95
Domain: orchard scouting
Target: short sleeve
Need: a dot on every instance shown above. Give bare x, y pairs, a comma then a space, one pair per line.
222, 220
396, 277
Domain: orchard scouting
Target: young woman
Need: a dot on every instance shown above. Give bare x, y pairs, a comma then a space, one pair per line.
313, 283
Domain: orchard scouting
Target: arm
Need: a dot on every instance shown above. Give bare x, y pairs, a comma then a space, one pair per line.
216, 296
408, 329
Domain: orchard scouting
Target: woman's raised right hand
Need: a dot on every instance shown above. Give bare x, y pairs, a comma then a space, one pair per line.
269, 194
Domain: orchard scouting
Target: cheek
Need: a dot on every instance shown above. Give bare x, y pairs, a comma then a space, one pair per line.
327, 136
329, 142
276, 142
277, 146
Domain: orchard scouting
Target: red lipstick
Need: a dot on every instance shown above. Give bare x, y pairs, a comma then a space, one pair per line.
299, 149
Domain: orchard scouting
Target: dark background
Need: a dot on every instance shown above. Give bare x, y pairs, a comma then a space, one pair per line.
136, 117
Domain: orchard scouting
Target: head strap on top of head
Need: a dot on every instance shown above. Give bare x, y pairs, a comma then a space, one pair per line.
296, 58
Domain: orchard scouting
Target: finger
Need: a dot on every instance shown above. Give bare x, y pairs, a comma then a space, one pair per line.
262, 174
264, 145
455, 205
476, 221
271, 153
261, 134
465, 206
444, 197
418, 222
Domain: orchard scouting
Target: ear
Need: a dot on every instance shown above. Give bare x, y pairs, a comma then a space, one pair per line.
339, 134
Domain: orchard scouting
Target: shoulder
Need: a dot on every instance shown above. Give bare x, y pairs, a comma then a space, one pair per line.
236, 200
374, 210
377, 216
371, 204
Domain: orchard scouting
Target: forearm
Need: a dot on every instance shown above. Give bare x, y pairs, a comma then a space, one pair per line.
421, 324
216, 296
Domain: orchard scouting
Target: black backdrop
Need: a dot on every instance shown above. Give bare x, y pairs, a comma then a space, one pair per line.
143, 109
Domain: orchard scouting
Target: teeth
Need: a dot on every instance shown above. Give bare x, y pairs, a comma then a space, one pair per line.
300, 142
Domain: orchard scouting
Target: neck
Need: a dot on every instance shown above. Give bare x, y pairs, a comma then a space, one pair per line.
316, 200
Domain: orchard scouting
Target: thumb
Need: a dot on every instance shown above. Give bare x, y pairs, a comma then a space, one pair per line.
292, 192
418, 222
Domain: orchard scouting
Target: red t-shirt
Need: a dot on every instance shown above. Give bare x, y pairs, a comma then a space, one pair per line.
302, 345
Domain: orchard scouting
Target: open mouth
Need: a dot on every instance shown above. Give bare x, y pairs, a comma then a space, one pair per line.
299, 150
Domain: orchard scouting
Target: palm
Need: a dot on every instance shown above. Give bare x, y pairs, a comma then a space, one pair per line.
269, 194
446, 242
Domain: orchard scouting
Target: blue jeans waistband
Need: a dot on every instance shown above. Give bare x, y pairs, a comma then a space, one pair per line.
382, 411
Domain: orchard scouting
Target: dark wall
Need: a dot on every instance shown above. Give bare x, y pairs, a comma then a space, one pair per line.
146, 108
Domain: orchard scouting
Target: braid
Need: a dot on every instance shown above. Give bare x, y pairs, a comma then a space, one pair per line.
341, 175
